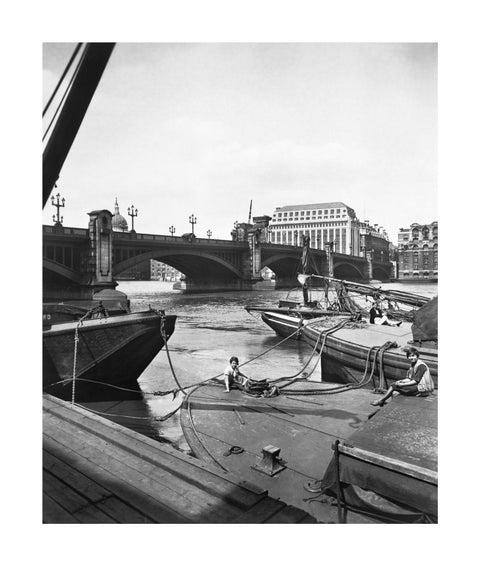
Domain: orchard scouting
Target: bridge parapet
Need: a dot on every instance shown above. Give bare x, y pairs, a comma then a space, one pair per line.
177, 240
65, 232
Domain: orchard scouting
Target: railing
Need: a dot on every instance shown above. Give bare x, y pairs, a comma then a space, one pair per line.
66, 231
133, 236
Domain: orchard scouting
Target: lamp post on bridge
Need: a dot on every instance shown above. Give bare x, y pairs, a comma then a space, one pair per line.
235, 226
59, 219
133, 214
318, 241
193, 221
209, 233
172, 230
269, 234
295, 238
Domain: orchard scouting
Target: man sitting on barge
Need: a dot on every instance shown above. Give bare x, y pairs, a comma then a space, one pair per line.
418, 381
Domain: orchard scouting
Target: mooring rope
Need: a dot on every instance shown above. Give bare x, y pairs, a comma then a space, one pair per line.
323, 334
347, 386
205, 381
165, 341
91, 311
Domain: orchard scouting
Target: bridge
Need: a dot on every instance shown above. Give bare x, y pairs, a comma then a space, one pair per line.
79, 262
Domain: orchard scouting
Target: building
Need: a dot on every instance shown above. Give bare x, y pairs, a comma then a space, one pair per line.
119, 224
374, 241
259, 229
418, 252
327, 223
162, 272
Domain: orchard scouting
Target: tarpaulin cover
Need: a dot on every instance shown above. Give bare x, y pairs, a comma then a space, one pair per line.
380, 491
392, 459
425, 322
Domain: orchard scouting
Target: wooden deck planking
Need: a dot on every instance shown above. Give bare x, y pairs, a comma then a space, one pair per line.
74, 503
55, 513
90, 478
104, 499
164, 456
261, 512
185, 498
149, 507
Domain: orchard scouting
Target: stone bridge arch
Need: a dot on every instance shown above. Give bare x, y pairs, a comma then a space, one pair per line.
192, 263
347, 270
381, 273
283, 265
52, 267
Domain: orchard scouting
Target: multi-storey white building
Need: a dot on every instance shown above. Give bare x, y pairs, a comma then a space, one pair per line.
323, 222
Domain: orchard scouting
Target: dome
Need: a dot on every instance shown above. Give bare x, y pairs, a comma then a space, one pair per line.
119, 224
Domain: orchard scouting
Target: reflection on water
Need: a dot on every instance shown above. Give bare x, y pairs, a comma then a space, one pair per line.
210, 328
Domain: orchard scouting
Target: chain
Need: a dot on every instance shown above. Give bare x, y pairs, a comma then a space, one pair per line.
101, 309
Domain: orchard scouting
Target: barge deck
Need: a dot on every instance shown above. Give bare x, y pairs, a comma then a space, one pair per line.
304, 429
97, 471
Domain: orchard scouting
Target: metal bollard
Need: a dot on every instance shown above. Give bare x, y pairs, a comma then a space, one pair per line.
271, 463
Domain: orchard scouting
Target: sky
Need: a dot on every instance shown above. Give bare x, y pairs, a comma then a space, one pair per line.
176, 129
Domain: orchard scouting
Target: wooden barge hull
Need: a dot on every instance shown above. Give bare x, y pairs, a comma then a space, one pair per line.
346, 352
111, 354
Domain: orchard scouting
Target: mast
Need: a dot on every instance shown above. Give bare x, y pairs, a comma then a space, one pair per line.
89, 73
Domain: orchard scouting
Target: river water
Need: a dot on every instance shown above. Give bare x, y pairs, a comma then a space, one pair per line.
210, 328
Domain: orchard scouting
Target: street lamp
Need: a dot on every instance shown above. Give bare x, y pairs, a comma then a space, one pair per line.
133, 214
295, 238
235, 226
58, 221
192, 221
269, 234
209, 233
318, 241
172, 230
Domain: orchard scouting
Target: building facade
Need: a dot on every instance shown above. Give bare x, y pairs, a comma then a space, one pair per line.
418, 252
328, 223
162, 272
374, 241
